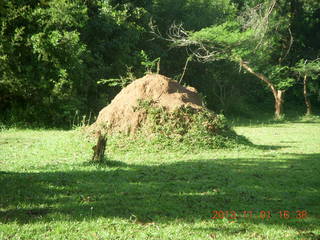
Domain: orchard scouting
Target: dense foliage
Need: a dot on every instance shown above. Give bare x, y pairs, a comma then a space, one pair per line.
57, 56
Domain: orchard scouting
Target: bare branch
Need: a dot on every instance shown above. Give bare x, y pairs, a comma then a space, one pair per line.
179, 37
290, 44
185, 68
154, 30
288, 48
257, 19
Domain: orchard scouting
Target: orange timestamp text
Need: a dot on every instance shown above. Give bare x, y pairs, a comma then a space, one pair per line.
283, 214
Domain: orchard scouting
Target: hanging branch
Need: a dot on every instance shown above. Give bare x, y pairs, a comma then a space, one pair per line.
185, 68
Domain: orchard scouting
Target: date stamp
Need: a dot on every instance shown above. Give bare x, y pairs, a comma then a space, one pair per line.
264, 215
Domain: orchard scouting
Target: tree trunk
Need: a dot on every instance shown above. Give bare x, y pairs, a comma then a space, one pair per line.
277, 94
278, 97
99, 149
305, 94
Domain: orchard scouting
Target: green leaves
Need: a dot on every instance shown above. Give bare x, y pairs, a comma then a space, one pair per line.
42, 56
310, 68
281, 77
183, 128
147, 63
227, 34
54, 52
61, 14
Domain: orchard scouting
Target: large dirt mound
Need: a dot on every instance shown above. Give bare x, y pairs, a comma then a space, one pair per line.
122, 116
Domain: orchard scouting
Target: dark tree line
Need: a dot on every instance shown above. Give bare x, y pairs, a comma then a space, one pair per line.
63, 59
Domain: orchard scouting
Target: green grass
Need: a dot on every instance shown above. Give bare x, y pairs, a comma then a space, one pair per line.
48, 190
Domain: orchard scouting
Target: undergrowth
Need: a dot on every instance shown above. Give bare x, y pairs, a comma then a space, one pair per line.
184, 129
309, 119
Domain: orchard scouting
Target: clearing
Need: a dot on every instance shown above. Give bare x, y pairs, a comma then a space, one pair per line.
49, 191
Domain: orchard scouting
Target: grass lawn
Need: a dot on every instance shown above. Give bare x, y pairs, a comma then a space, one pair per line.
48, 190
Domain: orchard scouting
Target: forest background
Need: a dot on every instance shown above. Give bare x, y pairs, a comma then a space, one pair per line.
62, 61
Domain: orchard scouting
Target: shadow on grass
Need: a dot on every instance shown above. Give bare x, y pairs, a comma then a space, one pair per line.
268, 147
187, 191
106, 163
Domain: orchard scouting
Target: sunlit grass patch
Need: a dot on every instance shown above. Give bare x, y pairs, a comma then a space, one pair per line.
49, 190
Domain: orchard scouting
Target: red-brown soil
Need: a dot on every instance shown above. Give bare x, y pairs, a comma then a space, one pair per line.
121, 115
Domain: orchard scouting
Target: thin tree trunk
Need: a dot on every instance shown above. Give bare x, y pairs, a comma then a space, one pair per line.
277, 94
305, 94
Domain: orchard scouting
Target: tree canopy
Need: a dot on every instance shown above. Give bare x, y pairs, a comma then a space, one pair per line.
57, 57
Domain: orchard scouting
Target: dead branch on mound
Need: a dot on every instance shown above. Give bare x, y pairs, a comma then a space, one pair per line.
99, 149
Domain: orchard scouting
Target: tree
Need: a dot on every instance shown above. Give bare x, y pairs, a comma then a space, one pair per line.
42, 58
53, 53
259, 40
307, 70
